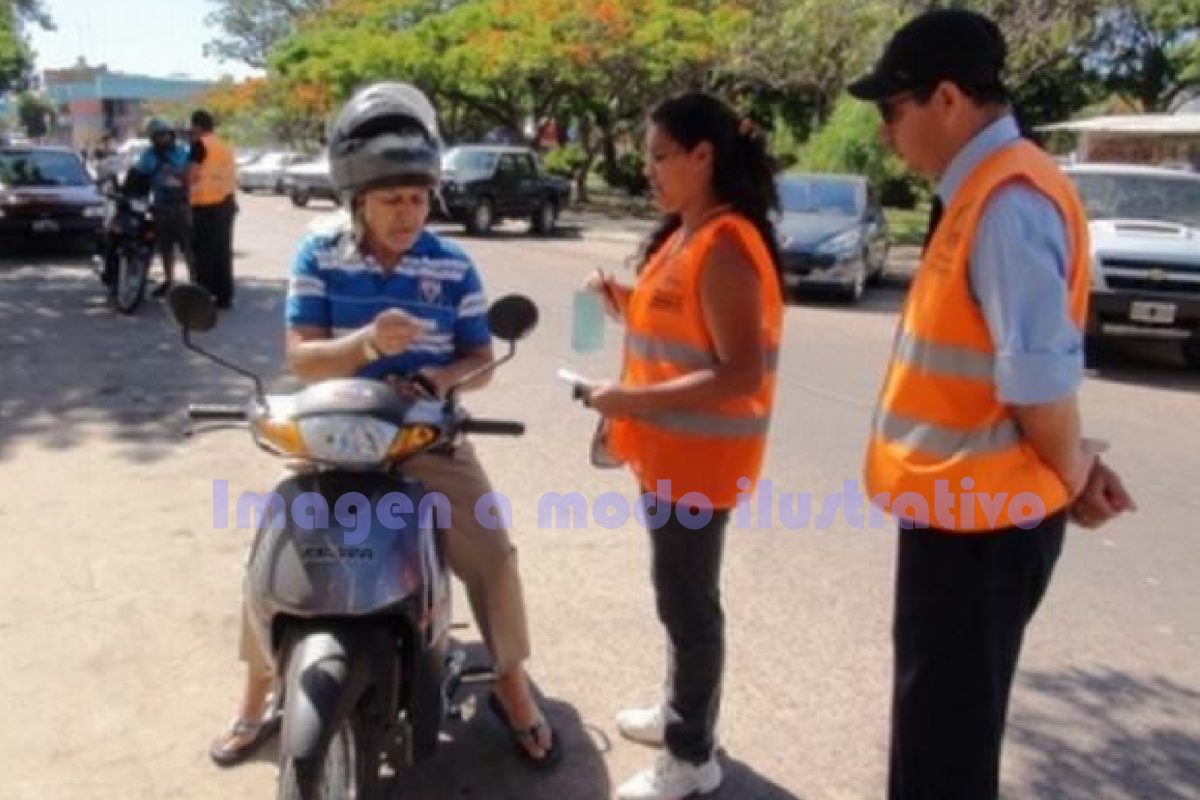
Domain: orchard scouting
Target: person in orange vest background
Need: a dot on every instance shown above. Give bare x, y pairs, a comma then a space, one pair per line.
976, 445
213, 185
690, 415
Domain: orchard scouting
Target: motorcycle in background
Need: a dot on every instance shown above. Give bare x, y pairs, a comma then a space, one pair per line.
126, 248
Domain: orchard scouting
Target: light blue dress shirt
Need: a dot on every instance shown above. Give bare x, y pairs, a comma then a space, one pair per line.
1018, 275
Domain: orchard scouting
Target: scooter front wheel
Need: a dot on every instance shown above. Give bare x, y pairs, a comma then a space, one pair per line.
325, 745
338, 774
132, 272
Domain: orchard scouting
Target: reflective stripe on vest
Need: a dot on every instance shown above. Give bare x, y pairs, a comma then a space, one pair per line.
684, 355
713, 425
942, 359
709, 447
937, 440
940, 419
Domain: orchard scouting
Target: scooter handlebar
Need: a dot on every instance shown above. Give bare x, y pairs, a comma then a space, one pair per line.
492, 427
214, 413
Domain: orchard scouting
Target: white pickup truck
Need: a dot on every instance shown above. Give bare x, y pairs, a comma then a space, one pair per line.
1145, 231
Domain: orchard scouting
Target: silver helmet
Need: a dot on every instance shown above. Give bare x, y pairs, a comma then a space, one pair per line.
385, 135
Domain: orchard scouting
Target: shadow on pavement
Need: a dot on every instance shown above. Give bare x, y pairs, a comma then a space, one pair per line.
1140, 363
516, 232
743, 783
72, 363
887, 297
477, 759
1108, 734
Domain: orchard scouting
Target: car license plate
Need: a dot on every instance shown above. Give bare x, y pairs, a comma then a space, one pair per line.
44, 226
1153, 313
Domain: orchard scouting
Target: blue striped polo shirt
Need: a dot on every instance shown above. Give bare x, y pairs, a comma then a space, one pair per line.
335, 286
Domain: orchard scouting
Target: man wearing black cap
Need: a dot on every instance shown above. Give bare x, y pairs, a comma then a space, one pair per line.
213, 184
976, 446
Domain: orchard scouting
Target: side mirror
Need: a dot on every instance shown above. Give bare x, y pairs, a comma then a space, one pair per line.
193, 308
513, 317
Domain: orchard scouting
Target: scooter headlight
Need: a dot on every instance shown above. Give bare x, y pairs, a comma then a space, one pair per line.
348, 439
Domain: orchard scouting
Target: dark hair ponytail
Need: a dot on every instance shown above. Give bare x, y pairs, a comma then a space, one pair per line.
743, 172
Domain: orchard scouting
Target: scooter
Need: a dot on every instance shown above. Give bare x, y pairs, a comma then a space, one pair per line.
126, 248
356, 618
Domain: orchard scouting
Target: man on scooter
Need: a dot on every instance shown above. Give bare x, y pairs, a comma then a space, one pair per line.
382, 297
165, 167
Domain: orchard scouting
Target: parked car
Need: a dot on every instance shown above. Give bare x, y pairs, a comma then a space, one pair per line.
47, 194
832, 233
304, 182
115, 166
483, 184
1145, 237
244, 158
266, 173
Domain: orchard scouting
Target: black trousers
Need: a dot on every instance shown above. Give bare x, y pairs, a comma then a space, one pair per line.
173, 226
962, 604
212, 249
686, 571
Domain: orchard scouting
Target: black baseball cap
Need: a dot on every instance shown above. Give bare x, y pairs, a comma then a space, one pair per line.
946, 44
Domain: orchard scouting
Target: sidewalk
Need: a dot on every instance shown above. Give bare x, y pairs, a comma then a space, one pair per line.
602, 227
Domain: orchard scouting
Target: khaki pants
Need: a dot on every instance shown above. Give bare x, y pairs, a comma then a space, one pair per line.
483, 559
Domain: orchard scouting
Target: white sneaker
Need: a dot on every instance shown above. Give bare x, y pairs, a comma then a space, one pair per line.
672, 779
646, 726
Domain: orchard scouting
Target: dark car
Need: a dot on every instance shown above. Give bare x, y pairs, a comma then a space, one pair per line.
47, 194
832, 233
482, 184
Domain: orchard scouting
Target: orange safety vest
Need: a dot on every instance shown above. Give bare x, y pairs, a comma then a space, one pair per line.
944, 450
706, 450
215, 178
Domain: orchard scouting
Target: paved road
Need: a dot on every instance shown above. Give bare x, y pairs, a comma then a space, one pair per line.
119, 598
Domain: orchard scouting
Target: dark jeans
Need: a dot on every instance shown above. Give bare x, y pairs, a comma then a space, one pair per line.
173, 227
212, 248
962, 604
686, 570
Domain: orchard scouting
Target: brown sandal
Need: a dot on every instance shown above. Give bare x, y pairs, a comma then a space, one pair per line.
526, 736
224, 754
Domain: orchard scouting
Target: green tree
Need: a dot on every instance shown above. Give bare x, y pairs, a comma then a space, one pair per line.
615, 59
1148, 51
802, 53
250, 29
850, 142
353, 42
498, 63
36, 115
16, 59
1047, 43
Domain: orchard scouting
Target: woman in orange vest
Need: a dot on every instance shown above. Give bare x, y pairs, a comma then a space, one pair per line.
691, 412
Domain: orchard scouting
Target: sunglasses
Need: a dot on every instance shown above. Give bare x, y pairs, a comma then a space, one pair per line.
889, 108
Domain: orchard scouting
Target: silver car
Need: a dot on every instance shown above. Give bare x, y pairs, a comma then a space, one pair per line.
832, 233
266, 174
1144, 225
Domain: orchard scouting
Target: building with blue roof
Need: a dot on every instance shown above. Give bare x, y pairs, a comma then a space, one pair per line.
94, 102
